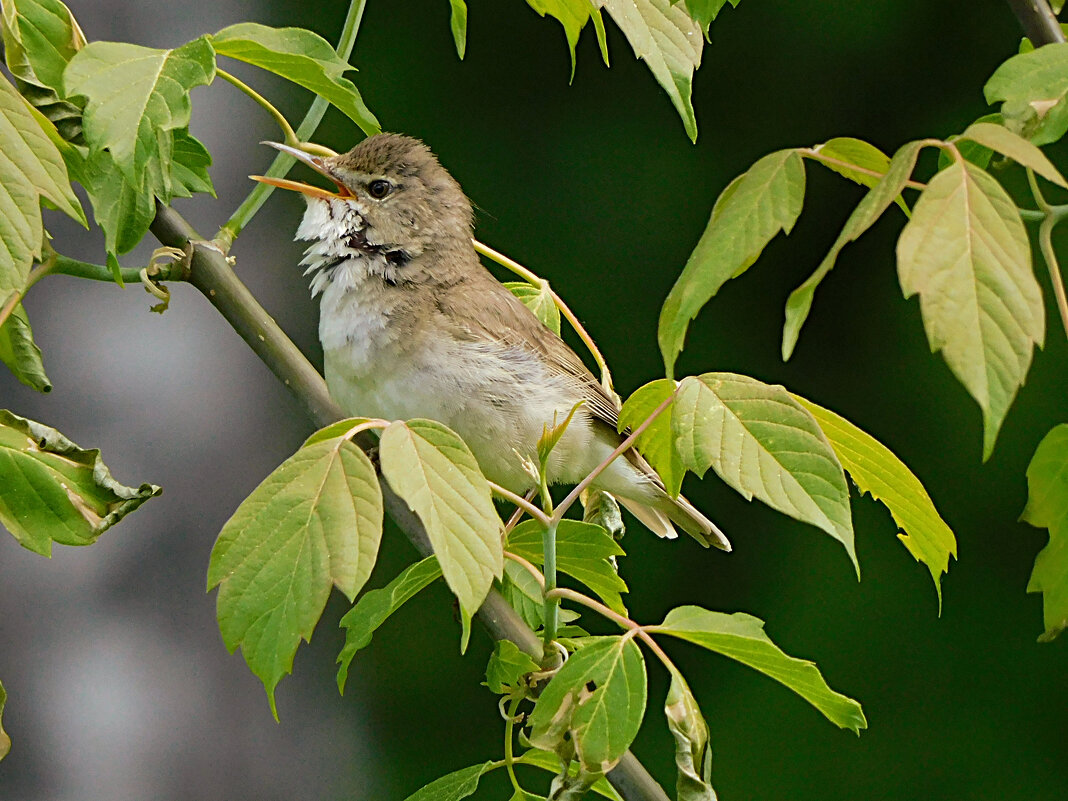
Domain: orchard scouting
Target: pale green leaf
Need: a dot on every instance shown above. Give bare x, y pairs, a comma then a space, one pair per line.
977, 154
5, 741
300, 56
20, 353
876, 470
53, 491
540, 301
572, 15
507, 667
965, 252
1032, 87
670, 44
546, 760
741, 637
458, 24
693, 756
339, 428
602, 722
583, 551
1001, 139
1047, 507
189, 167
845, 154
376, 606
656, 443
31, 168
136, 97
435, 473
871, 208
453, 786
765, 200
764, 444
313, 523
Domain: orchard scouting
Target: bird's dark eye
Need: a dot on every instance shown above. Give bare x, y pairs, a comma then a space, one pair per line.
379, 188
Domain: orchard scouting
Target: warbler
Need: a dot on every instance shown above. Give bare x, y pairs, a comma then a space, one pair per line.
412, 325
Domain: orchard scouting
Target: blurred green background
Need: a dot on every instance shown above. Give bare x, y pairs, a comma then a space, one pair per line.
595, 186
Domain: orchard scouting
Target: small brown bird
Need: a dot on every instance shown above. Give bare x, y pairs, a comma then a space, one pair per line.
412, 325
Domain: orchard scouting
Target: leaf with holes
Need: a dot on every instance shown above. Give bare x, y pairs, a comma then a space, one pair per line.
751, 210
965, 253
880, 473
435, 473
300, 56
1047, 507
656, 443
313, 523
741, 637
764, 444
53, 491
540, 301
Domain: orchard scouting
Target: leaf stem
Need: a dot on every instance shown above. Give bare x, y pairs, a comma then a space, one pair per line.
552, 602
812, 153
249, 207
520, 502
1051, 216
509, 758
573, 496
37, 272
283, 123
541, 283
530, 568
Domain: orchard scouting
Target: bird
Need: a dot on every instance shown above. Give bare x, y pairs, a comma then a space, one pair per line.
413, 325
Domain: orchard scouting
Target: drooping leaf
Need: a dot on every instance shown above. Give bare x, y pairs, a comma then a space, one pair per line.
670, 44
458, 24
122, 208
549, 761
136, 98
764, 444
765, 200
538, 300
1031, 87
376, 606
313, 523
693, 756
965, 252
870, 209
845, 154
880, 473
741, 637
453, 786
656, 443
5, 741
603, 721
970, 150
1047, 507
31, 168
20, 353
572, 15
300, 56
583, 551
430, 467
507, 667
53, 491
704, 12
40, 37
1002, 140
189, 168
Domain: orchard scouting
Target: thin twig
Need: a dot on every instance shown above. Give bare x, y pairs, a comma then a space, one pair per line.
521, 503
526, 565
1051, 216
287, 130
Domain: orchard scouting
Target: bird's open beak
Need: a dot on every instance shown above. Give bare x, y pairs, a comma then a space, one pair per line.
316, 163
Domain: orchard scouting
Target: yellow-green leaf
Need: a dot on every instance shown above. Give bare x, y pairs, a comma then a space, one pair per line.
1007, 143
539, 300
1047, 507
656, 443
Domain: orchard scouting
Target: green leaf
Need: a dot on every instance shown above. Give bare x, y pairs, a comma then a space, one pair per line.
670, 44
977, 154
122, 208
844, 154
435, 473
870, 209
453, 786
31, 168
880, 473
189, 169
53, 491
40, 37
1032, 87
136, 97
741, 637
546, 760
524, 594
693, 756
300, 56
315, 522
1047, 507
5, 741
540, 301
763, 443
704, 12
20, 353
656, 443
572, 15
965, 252
765, 200
604, 721
1002, 140
507, 667
583, 551
376, 606
458, 23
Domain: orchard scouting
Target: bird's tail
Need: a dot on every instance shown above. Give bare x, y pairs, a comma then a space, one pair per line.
681, 513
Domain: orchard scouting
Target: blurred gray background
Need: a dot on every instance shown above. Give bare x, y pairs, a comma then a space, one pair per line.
119, 685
